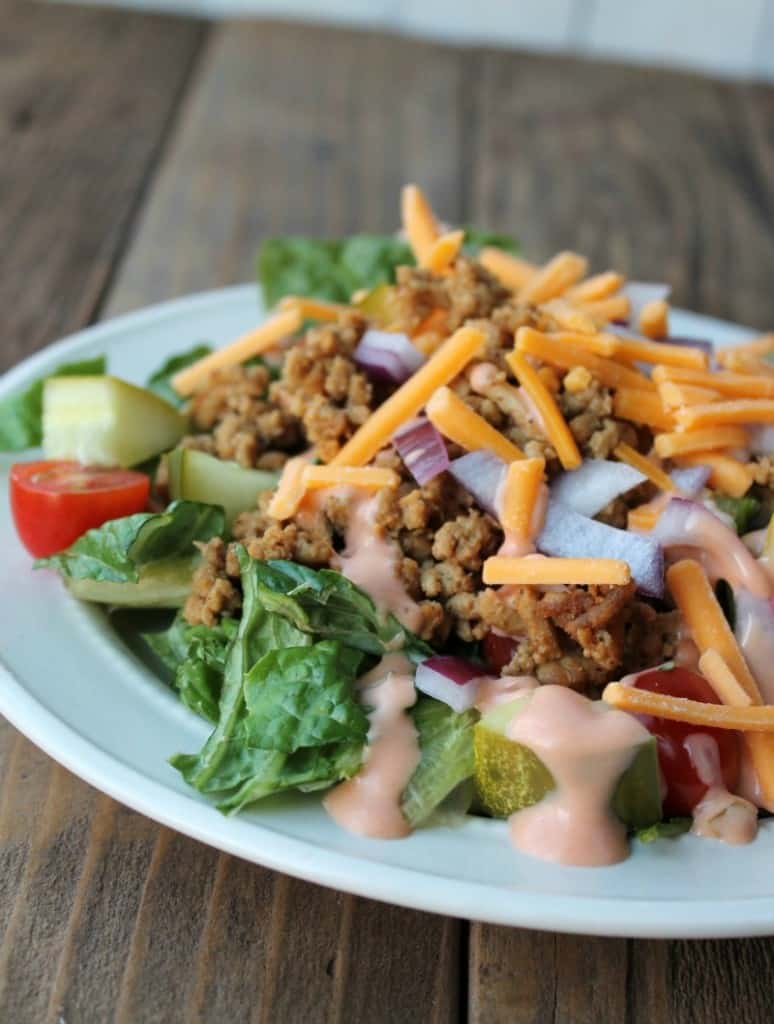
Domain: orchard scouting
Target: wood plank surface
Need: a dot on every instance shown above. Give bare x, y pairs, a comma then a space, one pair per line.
157, 165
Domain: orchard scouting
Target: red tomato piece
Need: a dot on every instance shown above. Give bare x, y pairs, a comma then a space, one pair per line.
684, 787
497, 650
54, 502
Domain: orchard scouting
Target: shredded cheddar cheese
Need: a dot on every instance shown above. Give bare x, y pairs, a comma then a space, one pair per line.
314, 309
557, 431
262, 339
656, 475
559, 274
600, 286
442, 366
604, 311
370, 477
654, 319
457, 421
732, 385
722, 680
445, 251
727, 474
758, 719
608, 372
756, 348
509, 270
419, 223
290, 490
661, 353
742, 410
670, 445
520, 492
674, 395
537, 569
644, 517
642, 407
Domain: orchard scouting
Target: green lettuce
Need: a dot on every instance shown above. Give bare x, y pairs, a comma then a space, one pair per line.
669, 829
446, 743
118, 550
21, 414
743, 511
288, 715
160, 381
335, 268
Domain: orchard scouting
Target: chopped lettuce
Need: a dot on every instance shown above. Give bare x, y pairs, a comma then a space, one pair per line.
668, 829
118, 550
160, 381
21, 414
743, 511
288, 715
195, 657
446, 743
334, 269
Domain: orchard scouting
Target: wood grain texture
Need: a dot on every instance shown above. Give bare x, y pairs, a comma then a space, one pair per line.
85, 101
103, 915
665, 176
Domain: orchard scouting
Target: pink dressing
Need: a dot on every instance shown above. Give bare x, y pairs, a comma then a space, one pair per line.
369, 803
494, 690
370, 560
514, 545
586, 746
719, 814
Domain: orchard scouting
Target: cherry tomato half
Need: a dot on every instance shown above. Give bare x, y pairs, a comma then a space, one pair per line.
497, 649
54, 502
684, 787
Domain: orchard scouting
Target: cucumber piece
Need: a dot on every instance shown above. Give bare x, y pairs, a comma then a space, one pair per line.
104, 421
378, 304
161, 585
510, 776
197, 476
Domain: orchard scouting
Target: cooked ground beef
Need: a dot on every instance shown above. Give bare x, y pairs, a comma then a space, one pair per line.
575, 636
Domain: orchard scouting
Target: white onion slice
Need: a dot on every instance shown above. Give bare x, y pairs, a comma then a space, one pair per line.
481, 473
450, 679
422, 449
567, 534
693, 528
754, 631
594, 484
640, 293
388, 355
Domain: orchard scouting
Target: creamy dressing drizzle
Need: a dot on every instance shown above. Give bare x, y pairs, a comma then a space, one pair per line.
719, 814
586, 747
494, 690
514, 545
369, 803
370, 560
709, 545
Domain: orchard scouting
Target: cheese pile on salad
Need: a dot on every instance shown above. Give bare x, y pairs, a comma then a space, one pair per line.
449, 532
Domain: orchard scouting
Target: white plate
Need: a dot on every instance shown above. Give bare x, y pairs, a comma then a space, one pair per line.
71, 686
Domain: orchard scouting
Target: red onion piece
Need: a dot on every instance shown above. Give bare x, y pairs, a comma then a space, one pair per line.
450, 679
388, 355
422, 449
640, 293
567, 534
700, 534
481, 473
691, 480
594, 484
754, 631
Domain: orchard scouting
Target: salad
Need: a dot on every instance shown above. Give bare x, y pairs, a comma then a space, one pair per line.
449, 533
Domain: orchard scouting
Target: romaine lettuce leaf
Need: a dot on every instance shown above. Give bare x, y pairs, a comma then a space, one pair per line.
21, 415
742, 510
446, 742
117, 550
160, 381
335, 268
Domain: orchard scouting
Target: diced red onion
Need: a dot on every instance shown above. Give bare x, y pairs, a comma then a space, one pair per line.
567, 534
481, 473
640, 293
388, 355
700, 534
762, 438
422, 449
450, 679
594, 485
754, 631
692, 480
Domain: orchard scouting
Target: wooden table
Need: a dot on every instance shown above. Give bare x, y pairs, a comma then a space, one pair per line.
145, 157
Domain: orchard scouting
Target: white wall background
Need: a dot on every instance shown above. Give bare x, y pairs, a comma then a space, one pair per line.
725, 37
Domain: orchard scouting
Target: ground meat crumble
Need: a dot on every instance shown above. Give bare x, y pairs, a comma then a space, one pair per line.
573, 636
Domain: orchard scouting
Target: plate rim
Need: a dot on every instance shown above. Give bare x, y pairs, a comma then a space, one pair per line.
404, 886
